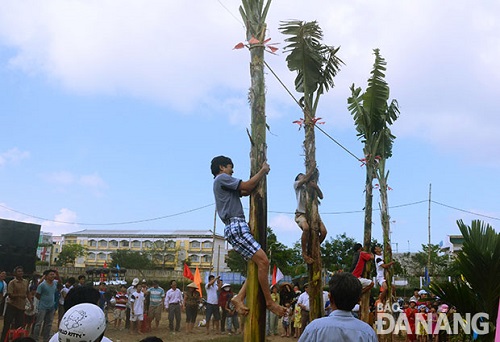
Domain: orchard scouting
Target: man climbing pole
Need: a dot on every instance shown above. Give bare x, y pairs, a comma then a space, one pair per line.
227, 192
302, 182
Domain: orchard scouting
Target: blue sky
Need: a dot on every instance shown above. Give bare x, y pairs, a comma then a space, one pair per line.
112, 110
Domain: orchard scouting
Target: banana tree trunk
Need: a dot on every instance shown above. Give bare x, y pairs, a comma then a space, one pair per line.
256, 320
367, 239
312, 216
386, 232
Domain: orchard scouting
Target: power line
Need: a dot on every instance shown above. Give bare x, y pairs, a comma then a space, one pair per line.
211, 204
113, 223
466, 211
305, 112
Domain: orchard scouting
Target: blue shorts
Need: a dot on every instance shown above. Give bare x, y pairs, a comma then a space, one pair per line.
212, 309
238, 235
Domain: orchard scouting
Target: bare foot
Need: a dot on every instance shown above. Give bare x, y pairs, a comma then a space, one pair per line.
276, 308
307, 259
240, 307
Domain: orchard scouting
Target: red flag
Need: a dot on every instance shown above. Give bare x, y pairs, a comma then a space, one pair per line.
187, 272
277, 275
105, 264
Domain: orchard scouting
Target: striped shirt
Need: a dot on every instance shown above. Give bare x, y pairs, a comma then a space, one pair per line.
121, 300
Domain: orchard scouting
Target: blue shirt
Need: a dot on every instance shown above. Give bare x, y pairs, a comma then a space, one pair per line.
47, 295
338, 326
156, 296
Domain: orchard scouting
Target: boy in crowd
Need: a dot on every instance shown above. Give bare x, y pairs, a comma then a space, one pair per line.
136, 310
156, 296
120, 306
227, 192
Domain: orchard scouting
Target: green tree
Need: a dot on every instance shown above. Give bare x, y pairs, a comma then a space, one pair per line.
316, 65
337, 253
131, 259
70, 253
440, 262
161, 252
478, 288
372, 115
236, 262
279, 254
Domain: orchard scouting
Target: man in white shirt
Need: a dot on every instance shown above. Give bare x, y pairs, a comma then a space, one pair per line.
303, 303
173, 303
213, 302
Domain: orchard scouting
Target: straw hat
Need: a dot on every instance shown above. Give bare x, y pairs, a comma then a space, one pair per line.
225, 285
135, 281
192, 285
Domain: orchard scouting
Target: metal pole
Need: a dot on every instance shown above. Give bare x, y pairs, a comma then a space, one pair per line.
218, 260
429, 231
213, 242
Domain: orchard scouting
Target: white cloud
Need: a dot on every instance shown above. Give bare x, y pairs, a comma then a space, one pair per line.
62, 178
285, 227
62, 223
65, 180
93, 182
443, 59
13, 156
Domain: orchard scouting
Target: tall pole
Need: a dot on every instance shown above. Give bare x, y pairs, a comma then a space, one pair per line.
213, 242
218, 260
429, 231
254, 14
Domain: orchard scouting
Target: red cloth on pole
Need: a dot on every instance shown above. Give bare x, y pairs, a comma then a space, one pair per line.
187, 273
277, 275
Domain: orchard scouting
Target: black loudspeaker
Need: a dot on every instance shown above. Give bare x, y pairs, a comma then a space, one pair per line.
18, 245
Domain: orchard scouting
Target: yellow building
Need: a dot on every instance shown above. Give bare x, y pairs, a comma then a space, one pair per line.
169, 249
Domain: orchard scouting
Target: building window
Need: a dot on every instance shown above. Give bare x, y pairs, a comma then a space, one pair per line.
158, 258
91, 256
159, 244
103, 243
147, 244
194, 258
113, 243
206, 258
101, 256
207, 244
170, 258
124, 243
194, 244
136, 243
92, 243
57, 250
171, 244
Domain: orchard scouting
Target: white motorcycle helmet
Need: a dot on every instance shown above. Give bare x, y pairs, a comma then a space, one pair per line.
82, 323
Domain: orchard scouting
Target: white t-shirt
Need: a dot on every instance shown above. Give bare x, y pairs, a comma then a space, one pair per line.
137, 300
379, 261
304, 300
301, 197
212, 293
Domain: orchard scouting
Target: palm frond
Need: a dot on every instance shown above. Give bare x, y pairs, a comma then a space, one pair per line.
479, 265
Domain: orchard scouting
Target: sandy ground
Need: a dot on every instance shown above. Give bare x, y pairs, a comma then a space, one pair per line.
199, 333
